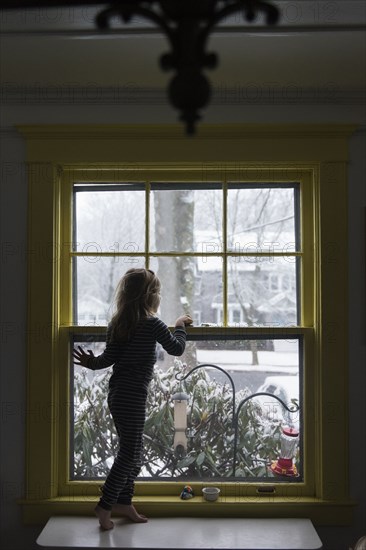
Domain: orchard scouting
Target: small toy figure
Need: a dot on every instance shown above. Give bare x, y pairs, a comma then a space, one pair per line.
187, 493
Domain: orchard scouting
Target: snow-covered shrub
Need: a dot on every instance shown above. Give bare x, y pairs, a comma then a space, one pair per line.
210, 429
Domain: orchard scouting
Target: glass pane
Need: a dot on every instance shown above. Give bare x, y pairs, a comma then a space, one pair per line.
93, 439
192, 285
270, 366
96, 280
261, 219
110, 221
185, 219
264, 290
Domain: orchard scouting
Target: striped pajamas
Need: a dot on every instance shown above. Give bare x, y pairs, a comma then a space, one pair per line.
128, 386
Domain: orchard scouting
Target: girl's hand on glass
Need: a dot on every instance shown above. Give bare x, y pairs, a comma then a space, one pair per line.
81, 357
183, 320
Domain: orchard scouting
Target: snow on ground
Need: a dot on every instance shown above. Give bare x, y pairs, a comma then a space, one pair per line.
269, 361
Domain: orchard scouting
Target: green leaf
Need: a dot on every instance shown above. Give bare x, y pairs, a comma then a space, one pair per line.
186, 461
200, 459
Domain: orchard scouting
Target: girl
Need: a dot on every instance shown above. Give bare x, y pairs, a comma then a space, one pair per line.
131, 348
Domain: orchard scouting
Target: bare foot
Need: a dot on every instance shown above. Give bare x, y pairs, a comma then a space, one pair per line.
104, 517
130, 512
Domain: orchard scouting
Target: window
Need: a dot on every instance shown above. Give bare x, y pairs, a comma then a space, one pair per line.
297, 316
216, 244
224, 238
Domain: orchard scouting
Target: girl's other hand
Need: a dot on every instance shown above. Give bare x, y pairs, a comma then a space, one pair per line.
183, 320
81, 357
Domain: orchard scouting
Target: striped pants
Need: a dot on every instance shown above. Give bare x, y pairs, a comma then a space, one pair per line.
127, 404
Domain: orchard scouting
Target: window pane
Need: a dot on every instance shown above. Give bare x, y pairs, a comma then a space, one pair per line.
271, 366
111, 220
264, 289
96, 279
93, 439
185, 218
189, 285
261, 219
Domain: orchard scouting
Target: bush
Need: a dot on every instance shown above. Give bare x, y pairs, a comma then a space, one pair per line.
210, 433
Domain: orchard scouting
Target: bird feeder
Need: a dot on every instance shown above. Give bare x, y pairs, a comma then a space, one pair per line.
284, 465
180, 423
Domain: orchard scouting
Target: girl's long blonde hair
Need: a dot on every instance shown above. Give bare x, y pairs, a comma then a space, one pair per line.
137, 297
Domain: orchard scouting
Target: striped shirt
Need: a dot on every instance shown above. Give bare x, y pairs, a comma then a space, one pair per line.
137, 357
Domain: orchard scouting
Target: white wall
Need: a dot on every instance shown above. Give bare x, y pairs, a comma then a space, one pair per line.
14, 535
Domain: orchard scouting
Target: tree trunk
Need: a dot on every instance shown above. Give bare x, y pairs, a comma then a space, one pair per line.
174, 213
254, 350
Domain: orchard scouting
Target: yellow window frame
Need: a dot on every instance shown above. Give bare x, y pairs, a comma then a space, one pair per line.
316, 156
188, 174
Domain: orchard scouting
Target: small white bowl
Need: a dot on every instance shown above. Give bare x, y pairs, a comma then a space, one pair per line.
211, 493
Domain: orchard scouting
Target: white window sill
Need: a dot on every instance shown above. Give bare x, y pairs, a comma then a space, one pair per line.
182, 533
